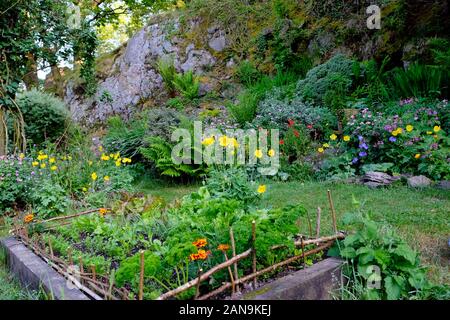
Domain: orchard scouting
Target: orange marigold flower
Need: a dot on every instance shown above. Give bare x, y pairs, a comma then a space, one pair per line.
28, 218
223, 247
200, 243
103, 211
200, 255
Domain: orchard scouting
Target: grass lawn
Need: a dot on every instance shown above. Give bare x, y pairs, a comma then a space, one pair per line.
422, 217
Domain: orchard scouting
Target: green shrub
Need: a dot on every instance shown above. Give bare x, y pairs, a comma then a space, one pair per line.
401, 275
46, 117
275, 111
15, 183
49, 199
334, 74
162, 121
245, 110
247, 73
231, 183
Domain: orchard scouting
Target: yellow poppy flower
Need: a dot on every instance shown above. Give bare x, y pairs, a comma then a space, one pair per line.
262, 188
100, 148
429, 132
21, 156
106, 178
436, 128
409, 128
258, 153
43, 166
118, 162
326, 145
271, 153
208, 141
399, 130
234, 142
417, 156
94, 176
346, 138
321, 150
333, 137
35, 163
53, 168
84, 189
105, 157
42, 157
224, 141
52, 160
394, 133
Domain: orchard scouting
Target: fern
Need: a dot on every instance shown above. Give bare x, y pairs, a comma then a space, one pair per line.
167, 71
159, 152
187, 84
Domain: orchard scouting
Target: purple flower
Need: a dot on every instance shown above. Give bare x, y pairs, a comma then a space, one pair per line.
362, 154
355, 160
392, 139
360, 138
363, 146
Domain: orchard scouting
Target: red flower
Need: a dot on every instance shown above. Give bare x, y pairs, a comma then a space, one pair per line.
290, 123
281, 142
309, 126
296, 133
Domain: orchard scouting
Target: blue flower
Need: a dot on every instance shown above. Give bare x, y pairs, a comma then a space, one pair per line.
360, 138
362, 154
363, 146
355, 160
392, 139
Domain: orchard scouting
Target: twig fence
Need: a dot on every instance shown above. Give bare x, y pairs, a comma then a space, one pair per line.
101, 287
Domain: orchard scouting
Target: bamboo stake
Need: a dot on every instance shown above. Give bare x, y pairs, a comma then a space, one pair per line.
333, 212
80, 265
94, 275
233, 247
318, 222
263, 271
69, 255
309, 224
141, 279
230, 273
197, 289
206, 275
313, 241
303, 253
254, 251
69, 216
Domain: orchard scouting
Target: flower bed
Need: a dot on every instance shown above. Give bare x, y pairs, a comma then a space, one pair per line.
198, 247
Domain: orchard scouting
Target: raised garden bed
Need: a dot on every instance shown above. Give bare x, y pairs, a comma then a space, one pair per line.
112, 254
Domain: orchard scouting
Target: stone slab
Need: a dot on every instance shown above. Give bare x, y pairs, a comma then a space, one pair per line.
35, 273
313, 283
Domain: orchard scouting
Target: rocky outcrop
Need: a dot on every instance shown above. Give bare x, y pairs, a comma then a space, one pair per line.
131, 79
